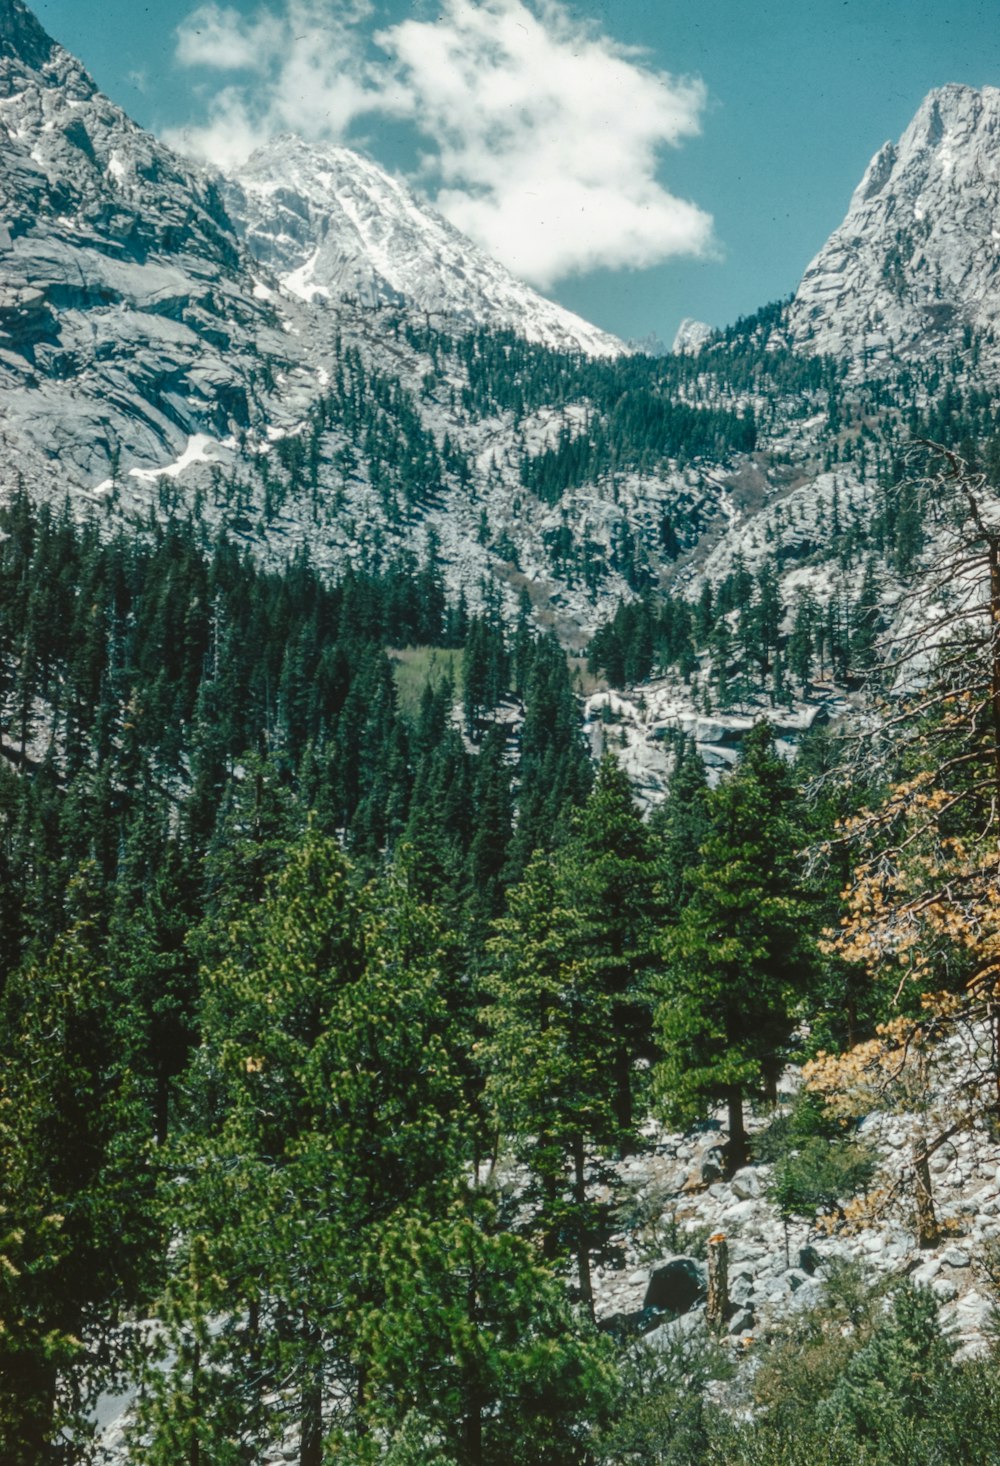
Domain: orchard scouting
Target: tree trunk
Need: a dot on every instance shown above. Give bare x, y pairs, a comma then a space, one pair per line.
33, 1387
717, 1304
311, 1400
311, 1438
927, 1227
472, 1421
161, 1104
623, 1091
361, 1399
995, 654
550, 1237
194, 1453
582, 1230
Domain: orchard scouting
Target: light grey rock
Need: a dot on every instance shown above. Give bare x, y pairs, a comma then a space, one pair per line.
738, 1213
675, 1330
333, 224
709, 1165
742, 1322
747, 1184
691, 336
975, 1311
741, 1287
925, 1274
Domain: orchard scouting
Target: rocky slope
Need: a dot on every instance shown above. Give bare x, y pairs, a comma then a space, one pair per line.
333, 224
126, 321
916, 259
670, 1198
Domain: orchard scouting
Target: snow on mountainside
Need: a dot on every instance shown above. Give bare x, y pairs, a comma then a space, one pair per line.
333, 224
917, 258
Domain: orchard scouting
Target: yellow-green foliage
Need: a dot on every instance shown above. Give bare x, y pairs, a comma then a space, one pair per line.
417, 667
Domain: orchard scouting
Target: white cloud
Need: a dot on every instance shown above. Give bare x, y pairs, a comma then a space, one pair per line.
308, 70
220, 37
542, 136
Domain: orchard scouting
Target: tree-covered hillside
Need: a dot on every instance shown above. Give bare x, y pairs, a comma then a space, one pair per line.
338, 991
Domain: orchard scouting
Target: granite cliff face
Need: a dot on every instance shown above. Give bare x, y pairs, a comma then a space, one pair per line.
917, 259
127, 317
149, 362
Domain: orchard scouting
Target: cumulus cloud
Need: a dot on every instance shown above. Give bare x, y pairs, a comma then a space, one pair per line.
302, 70
542, 137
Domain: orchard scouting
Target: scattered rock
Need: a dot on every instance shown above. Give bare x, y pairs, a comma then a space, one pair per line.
742, 1322
925, 1274
747, 1184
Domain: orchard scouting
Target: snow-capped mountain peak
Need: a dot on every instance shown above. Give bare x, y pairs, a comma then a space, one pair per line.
331, 223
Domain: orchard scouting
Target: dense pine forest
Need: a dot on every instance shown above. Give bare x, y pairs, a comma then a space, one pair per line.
338, 982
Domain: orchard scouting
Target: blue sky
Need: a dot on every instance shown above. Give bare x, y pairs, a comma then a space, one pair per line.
639, 160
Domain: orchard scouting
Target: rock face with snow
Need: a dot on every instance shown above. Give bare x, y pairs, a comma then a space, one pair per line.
918, 256
150, 363
333, 224
245, 350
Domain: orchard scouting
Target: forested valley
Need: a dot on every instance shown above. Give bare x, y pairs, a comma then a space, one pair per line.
339, 982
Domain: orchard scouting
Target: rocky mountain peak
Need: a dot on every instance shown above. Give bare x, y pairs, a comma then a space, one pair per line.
916, 258
332, 224
691, 336
22, 37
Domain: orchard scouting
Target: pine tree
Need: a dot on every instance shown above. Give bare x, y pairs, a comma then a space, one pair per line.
551, 1051
475, 1351
738, 962
609, 865
330, 1102
679, 827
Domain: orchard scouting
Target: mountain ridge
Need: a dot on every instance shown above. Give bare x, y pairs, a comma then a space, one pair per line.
331, 222
286, 374
914, 262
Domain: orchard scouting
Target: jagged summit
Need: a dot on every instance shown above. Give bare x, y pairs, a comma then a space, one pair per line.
22, 36
333, 224
691, 336
916, 258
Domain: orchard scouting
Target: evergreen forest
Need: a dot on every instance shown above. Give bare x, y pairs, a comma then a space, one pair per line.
339, 982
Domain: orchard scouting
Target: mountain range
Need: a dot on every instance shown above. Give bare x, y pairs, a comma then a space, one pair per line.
174, 339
